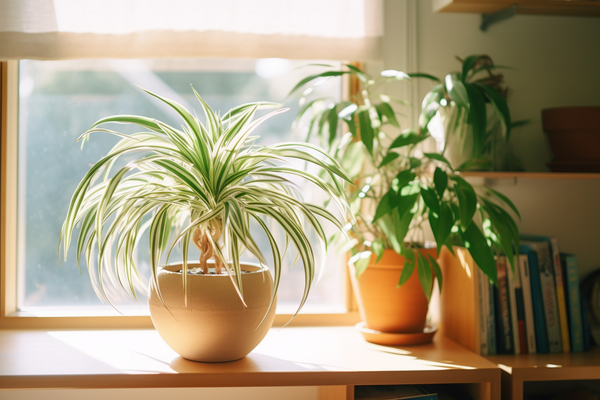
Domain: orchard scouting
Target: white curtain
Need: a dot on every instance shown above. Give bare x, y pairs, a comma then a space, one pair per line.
64, 29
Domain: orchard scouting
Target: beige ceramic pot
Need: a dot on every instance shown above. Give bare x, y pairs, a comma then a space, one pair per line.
215, 326
382, 305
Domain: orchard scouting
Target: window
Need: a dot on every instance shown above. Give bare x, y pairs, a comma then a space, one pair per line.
59, 100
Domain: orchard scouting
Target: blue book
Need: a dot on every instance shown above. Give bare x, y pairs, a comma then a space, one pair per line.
539, 320
571, 279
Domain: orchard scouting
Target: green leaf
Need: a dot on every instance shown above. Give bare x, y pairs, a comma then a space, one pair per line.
366, 130
361, 262
468, 65
477, 118
441, 225
389, 157
333, 124
430, 198
378, 247
408, 267
406, 139
422, 75
415, 162
401, 224
425, 276
431, 104
388, 111
505, 200
358, 73
316, 76
467, 201
500, 103
438, 157
457, 91
481, 252
386, 205
440, 180
437, 270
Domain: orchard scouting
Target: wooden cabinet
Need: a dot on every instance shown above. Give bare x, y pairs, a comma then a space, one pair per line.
540, 7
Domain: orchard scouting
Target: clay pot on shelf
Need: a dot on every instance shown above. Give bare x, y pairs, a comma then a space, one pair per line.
390, 314
574, 136
215, 326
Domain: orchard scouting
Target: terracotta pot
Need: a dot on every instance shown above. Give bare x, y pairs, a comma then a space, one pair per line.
573, 132
382, 305
215, 326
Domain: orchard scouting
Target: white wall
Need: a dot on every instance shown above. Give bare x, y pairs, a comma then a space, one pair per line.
557, 62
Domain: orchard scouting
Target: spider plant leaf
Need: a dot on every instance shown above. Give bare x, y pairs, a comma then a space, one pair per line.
467, 203
406, 139
423, 75
408, 267
505, 199
436, 270
438, 157
441, 224
440, 180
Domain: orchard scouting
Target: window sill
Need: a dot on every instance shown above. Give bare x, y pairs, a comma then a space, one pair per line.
26, 321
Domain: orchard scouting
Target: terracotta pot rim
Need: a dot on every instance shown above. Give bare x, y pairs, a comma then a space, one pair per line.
249, 267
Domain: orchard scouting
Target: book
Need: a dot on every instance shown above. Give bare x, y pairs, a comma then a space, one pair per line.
537, 303
491, 318
510, 279
527, 304
484, 307
571, 281
559, 284
397, 392
585, 324
519, 307
546, 270
504, 334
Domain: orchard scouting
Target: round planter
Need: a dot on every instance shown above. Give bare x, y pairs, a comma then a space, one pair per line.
382, 305
214, 326
573, 133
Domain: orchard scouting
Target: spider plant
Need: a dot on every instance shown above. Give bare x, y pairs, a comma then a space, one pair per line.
202, 184
401, 193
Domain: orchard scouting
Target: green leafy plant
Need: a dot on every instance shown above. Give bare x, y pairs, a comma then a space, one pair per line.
475, 119
201, 184
400, 192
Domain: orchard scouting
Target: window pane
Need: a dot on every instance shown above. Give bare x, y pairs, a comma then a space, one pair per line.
59, 100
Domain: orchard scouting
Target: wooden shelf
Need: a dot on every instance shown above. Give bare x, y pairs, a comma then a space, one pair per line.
531, 175
335, 358
517, 370
540, 7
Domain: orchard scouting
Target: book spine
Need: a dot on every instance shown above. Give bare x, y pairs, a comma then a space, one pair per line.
539, 318
549, 297
510, 279
492, 319
571, 278
503, 318
585, 324
527, 305
560, 296
484, 312
520, 306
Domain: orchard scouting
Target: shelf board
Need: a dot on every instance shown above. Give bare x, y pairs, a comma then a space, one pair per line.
311, 356
538, 7
531, 175
547, 367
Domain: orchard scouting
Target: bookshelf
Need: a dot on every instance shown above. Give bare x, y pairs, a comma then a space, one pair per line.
521, 373
336, 359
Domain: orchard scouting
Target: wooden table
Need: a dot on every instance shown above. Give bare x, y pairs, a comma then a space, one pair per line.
333, 358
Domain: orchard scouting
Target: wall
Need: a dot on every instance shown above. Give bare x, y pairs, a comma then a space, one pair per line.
556, 63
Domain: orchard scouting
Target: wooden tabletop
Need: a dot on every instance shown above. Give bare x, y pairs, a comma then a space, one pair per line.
287, 357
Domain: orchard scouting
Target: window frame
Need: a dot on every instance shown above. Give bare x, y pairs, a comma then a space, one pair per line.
11, 318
